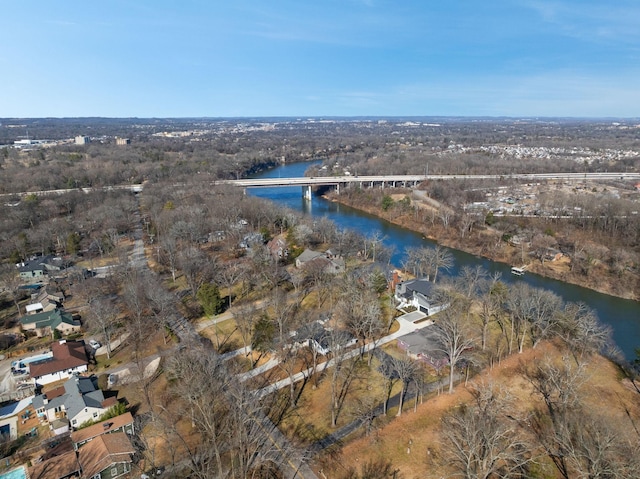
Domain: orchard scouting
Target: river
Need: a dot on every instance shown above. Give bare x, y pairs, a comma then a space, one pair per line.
621, 314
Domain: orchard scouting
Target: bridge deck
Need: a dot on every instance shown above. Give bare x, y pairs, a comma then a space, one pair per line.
342, 180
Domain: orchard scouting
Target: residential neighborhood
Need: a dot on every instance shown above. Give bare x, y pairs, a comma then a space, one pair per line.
163, 314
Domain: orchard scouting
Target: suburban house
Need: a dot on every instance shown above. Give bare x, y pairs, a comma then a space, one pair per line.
78, 400
46, 322
121, 423
251, 240
321, 340
69, 358
46, 300
311, 335
423, 345
326, 262
418, 293
37, 268
71, 456
278, 247
10, 414
106, 456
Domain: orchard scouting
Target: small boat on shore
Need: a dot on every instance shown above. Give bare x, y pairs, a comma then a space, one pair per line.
517, 271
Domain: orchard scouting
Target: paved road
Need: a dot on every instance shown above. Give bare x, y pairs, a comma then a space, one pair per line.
406, 327
393, 179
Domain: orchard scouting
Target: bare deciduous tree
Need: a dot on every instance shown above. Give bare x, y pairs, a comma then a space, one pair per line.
482, 442
406, 370
492, 295
558, 385
103, 313
579, 328
236, 438
342, 372
454, 337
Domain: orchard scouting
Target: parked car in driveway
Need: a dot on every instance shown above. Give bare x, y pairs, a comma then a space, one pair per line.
94, 344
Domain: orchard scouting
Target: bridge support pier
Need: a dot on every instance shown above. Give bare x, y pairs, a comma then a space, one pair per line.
306, 192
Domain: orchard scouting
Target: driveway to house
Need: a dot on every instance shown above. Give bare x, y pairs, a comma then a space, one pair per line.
228, 314
114, 344
220, 318
406, 327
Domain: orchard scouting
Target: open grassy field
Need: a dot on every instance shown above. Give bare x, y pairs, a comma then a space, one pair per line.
413, 442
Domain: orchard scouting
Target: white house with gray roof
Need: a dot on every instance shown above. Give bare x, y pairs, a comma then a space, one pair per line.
80, 401
418, 293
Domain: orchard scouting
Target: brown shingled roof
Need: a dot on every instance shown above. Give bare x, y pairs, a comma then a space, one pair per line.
59, 466
103, 451
66, 355
109, 402
55, 392
99, 429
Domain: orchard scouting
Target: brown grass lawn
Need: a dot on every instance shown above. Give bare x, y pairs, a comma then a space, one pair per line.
412, 442
98, 262
225, 335
162, 445
311, 420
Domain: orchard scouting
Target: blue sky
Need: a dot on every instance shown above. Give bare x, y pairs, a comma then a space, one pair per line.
216, 58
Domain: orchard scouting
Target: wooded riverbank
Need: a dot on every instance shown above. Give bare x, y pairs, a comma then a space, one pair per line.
481, 240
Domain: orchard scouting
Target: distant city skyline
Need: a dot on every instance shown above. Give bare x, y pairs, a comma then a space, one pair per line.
249, 58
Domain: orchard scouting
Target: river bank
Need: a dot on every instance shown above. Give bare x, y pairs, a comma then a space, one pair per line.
483, 241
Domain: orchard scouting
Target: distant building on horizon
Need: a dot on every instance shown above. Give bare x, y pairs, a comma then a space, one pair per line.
123, 141
82, 140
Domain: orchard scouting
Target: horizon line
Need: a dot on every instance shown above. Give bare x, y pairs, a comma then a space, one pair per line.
319, 117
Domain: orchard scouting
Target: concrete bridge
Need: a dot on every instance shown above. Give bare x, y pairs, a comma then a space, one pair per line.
393, 181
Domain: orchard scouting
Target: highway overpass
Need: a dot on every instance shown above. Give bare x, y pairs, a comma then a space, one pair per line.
411, 180
362, 181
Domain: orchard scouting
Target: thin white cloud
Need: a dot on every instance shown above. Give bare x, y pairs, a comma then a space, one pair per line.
357, 23
603, 22
560, 93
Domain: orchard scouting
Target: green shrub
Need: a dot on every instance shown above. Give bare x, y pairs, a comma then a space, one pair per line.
387, 202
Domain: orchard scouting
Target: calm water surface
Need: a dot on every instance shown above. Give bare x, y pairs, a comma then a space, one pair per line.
621, 314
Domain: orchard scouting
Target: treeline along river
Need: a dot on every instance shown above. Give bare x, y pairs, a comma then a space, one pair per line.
621, 314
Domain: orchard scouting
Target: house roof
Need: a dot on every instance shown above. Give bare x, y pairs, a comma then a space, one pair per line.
337, 337
37, 264
79, 393
60, 466
422, 286
423, 341
51, 319
14, 408
59, 423
55, 392
101, 428
52, 293
308, 255
66, 355
313, 330
103, 451
43, 263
